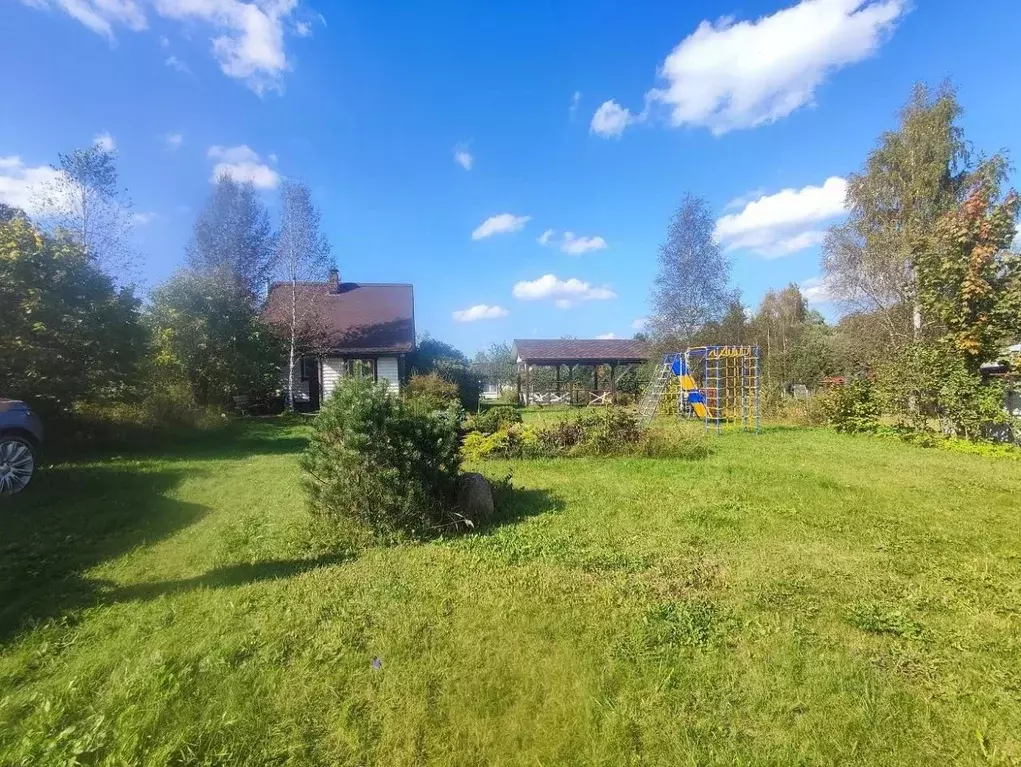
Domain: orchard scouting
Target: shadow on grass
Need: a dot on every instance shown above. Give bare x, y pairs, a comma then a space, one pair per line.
236, 439
514, 504
70, 520
227, 576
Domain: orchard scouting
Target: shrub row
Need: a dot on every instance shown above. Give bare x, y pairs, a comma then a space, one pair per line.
611, 432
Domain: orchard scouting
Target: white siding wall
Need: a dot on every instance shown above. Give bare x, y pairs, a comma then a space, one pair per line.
333, 369
387, 370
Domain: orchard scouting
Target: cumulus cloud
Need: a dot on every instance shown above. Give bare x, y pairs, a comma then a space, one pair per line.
574, 245
785, 222
610, 120
565, 293
607, 336
503, 223
105, 142
816, 291
99, 15
464, 158
21, 186
732, 74
575, 101
247, 38
480, 312
141, 218
173, 141
639, 323
242, 164
175, 63
571, 243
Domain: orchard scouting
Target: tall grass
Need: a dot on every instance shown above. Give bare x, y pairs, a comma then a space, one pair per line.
797, 597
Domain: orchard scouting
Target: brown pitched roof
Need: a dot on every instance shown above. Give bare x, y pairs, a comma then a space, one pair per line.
360, 317
583, 351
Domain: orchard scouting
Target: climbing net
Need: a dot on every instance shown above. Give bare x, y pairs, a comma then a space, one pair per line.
718, 385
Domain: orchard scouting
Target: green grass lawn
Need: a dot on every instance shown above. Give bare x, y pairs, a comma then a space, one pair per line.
800, 597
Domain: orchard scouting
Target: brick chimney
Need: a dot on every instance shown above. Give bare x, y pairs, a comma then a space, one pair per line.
334, 280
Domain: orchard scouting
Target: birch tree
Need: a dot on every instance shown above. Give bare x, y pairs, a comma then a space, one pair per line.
302, 253
692, 287
86, 204
233, 234
913, 176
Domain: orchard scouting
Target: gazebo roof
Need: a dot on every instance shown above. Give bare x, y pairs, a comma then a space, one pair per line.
568, 351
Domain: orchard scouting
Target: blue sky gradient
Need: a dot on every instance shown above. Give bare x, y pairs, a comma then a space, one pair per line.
369, 102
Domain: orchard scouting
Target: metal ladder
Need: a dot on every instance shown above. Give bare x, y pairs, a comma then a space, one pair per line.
654, 392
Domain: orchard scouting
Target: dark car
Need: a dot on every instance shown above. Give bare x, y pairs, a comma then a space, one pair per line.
21, 435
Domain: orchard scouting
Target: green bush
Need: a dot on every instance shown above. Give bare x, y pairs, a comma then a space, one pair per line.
515, 441
561, 437
614, 431
854, 407
494, 419
431, 391
381, 464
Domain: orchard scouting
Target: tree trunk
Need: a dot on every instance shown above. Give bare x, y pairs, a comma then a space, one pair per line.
290, 355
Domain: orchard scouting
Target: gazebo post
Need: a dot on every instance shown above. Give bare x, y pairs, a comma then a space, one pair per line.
570, 375
519, 382
528, 384
558, 378
595, 378
613, 383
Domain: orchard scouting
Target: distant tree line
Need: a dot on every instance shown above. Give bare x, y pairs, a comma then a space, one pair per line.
77, 332
922, 266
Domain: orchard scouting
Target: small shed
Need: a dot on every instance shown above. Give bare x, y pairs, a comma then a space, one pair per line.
618, 354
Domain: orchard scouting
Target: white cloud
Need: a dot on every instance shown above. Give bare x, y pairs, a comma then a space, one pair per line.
610, 120
98, 15
173, 141
571, 243
728, 75
105, 142
21, 185
243, 164
175, 63
566, 293
575, 246
142, 218
501, 224
575, 101
639, 323
607, 337
464, 158
785, 222
247, 38
480, 312
303, 28
816, 291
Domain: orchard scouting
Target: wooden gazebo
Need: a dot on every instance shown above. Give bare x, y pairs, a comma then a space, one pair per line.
614, 353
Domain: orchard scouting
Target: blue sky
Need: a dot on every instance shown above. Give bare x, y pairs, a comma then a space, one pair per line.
371, 103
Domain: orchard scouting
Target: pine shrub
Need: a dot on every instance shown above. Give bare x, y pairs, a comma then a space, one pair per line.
381, 464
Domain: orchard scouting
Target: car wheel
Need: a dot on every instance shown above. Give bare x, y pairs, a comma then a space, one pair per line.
17, 464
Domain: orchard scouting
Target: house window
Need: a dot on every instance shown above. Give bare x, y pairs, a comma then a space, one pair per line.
360, 368
307, 367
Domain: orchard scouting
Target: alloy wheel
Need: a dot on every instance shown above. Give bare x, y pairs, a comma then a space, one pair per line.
17, 464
